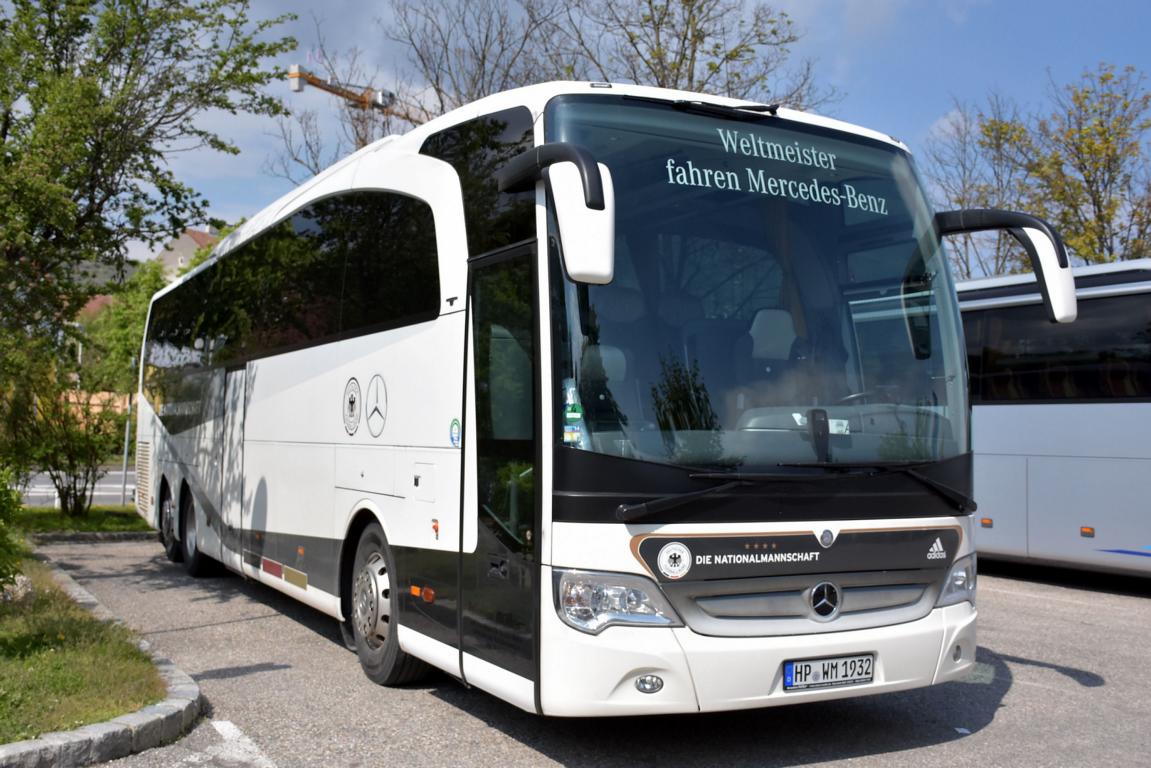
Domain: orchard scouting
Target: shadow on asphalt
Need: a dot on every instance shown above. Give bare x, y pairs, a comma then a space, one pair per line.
228, 673
779, 736
1117, 584
159, 575
1084, 677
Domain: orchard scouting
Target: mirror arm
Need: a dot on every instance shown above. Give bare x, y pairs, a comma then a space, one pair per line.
981, 219
521, 172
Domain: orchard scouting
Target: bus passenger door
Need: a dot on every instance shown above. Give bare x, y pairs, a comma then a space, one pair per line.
232, 469
499, 580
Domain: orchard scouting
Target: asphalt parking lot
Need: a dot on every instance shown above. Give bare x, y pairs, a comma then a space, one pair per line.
1063, 679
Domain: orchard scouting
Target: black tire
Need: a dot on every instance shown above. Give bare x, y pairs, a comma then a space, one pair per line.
196, 563
168, 523
347, 635
375, 610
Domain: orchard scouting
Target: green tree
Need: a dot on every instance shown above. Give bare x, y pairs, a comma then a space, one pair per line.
53, 426
204, 252
113, 337
969, 161
95, 96
1090, 160
11, 551
1083, 162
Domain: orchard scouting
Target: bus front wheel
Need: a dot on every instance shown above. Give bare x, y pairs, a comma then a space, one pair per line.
375, 604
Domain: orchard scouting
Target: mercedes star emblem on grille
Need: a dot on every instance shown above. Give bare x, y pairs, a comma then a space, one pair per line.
825, 600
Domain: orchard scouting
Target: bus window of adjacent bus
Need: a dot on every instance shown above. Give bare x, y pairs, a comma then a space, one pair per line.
1016, 355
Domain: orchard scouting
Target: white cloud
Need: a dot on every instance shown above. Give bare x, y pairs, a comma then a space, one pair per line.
957, 11
945, 125
837, 33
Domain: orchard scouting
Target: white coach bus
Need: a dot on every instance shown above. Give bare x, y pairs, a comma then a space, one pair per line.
1060, 419
603, 399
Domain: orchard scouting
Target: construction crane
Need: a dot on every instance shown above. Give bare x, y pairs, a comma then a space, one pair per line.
361, 96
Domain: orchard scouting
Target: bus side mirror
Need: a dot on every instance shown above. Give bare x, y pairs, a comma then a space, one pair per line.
1043, 245
588, 234
585, 204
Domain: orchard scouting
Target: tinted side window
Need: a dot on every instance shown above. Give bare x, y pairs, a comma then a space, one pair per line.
343, 266
176, 359
477, 149
1015, 355
387, 243
295, 296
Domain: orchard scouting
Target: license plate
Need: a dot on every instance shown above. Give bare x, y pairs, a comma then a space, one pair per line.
828, 673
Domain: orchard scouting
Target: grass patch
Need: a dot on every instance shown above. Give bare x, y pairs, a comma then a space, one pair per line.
61, 669
102, 519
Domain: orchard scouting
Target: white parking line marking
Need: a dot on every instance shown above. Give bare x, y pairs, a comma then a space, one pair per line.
237, 748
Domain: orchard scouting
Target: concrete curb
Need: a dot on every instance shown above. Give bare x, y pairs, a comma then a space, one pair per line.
93, 536
152, 726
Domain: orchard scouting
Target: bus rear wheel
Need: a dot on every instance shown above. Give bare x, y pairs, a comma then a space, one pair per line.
196, 563
375, 612
168, 523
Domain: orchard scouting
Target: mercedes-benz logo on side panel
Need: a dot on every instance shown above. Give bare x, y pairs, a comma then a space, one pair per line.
825, 600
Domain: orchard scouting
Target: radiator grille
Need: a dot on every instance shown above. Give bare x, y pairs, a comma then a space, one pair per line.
144, 480
781, 605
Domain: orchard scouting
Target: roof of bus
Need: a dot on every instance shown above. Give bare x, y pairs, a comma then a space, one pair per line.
1134, 265
535, 98
1132, 271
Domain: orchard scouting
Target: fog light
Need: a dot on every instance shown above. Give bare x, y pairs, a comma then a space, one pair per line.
958, 654
649, 683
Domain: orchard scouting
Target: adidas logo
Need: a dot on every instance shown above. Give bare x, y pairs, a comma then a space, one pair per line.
937, 552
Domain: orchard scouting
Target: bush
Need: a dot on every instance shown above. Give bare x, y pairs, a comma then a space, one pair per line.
11, 548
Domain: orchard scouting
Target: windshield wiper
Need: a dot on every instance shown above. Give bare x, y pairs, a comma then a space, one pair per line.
724, 110
961, 501
626, 513
741, 111
629, 512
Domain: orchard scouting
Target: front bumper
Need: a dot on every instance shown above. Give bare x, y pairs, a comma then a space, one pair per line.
586, 675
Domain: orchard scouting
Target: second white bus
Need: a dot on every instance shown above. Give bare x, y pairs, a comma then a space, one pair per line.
1060, 419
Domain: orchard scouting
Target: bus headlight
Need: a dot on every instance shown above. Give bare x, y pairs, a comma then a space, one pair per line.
591, 601
960, 584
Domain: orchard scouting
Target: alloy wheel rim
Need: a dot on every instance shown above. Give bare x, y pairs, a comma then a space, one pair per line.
371, 598
167, 523
190, 531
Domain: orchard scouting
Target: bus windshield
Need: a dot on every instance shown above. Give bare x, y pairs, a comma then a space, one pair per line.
780, 296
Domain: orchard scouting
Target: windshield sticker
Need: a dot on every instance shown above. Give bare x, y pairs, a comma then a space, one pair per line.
454, 433
687, 173
573, 434
574, 428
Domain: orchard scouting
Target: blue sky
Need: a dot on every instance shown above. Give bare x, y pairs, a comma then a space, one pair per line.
899, 65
